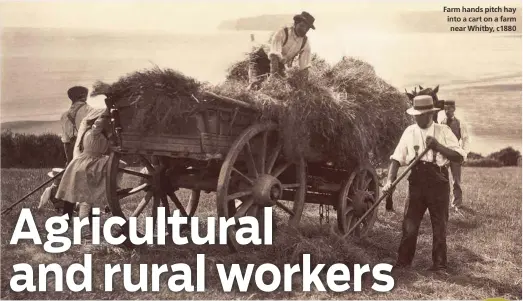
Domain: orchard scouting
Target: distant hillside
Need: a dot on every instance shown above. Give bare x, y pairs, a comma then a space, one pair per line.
32, 127
263, 22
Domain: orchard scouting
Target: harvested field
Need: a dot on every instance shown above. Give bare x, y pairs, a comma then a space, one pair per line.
484, 248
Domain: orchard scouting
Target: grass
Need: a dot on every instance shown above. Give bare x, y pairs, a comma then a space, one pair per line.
484, 248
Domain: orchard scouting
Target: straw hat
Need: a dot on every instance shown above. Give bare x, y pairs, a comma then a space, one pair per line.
94, 113
422, 104
54, 172
97, 102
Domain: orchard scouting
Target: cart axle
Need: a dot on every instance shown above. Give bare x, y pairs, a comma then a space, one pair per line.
266, 190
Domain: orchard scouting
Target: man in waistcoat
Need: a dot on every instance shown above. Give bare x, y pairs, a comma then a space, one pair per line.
460, 130
286, 44
72, 118
428, 181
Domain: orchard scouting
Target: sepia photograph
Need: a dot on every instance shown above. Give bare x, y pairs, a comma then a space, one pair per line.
261, 150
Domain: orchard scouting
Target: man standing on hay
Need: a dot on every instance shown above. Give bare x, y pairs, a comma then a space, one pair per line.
460, 130
286, 44
72, 118
428, 181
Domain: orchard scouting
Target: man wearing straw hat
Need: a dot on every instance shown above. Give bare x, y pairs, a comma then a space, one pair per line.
460, 130
71, 119
428, 182
286, 44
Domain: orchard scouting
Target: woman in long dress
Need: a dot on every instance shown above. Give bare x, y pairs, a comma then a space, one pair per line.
83, 181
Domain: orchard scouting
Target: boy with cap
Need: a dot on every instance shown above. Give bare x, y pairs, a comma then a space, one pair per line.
460, 130
428, 181
71, 119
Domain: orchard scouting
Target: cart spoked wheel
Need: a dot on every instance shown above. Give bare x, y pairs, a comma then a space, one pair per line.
255, 174
139, 192
358, 193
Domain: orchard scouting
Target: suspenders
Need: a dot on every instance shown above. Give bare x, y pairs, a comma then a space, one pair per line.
286, 30
303, 43
436, 134
72, 118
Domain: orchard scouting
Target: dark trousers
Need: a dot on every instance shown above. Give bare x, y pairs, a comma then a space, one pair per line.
69, 210
389, 203
457, 193
428, 189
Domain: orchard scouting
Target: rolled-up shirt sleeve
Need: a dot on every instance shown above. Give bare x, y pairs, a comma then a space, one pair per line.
305, 56
277, 44
442, 117
67, 129
451, 142
401, 151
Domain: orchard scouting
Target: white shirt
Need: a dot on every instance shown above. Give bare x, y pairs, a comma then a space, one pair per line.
441, 116
414, 135
464, 142
67, 126
291, 48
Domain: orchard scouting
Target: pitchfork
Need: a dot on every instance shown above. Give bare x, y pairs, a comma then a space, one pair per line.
411, 165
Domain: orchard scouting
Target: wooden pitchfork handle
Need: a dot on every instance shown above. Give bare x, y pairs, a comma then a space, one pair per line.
411, 165
10, 208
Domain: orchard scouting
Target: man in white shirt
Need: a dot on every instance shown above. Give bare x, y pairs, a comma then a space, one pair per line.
460, 130
70, 122
72, 118
428, 182
286, 44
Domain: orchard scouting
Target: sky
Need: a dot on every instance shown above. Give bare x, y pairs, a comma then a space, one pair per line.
191, 15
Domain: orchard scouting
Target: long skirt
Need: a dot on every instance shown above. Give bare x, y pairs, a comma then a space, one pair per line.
84, 180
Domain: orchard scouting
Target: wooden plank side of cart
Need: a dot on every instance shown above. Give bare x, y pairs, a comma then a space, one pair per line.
210, 143
351, 190
205, 146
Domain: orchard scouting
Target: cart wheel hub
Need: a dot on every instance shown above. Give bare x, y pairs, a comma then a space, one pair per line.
267, 190
361, 201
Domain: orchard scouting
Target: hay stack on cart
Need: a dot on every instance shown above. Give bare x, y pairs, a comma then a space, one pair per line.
291, 142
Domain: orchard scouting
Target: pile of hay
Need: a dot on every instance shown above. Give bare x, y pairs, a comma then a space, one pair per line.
159, 99
343, 112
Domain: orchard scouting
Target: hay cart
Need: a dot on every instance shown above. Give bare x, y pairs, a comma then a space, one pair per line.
224, 146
